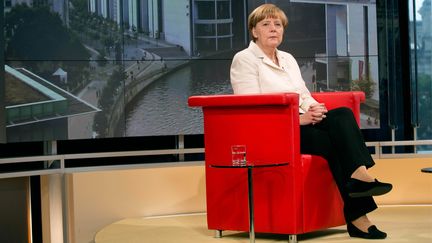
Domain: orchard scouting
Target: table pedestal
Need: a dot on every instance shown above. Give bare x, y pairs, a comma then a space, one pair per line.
251, 206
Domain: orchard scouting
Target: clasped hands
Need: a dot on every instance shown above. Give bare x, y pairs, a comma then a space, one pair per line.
315, 114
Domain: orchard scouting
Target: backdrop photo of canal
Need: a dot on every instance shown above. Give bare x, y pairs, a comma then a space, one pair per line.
134, 74
162, 109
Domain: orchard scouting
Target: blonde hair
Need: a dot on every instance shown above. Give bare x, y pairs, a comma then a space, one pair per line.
267, 10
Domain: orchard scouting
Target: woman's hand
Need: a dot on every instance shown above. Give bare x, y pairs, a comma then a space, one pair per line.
315, 114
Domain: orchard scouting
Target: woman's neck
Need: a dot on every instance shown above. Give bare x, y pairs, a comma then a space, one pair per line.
270, 52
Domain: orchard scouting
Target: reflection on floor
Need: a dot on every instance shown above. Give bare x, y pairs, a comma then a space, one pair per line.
402, 224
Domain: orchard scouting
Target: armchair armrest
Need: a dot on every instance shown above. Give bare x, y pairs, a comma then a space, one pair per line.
244, 100
268, 124
350, 99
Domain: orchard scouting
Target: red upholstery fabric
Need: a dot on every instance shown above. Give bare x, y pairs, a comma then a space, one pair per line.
293, 199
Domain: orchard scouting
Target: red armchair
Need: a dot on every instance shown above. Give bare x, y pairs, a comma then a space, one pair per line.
294, 199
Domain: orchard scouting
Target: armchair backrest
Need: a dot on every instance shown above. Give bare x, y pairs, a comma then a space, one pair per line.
267, 124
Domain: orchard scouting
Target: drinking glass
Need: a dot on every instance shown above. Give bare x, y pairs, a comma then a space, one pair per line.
238, 153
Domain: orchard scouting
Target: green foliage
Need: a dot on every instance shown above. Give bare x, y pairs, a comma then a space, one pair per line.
424, 88
424, 82
102, 61
365, 84
38, 39
39, 34
107, 99
80, 5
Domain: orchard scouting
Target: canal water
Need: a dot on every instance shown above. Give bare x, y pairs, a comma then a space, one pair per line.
161, 109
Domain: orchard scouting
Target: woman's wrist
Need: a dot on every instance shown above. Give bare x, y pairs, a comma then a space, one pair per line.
303, 120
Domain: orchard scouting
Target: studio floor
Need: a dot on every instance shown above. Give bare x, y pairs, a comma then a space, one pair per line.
402, 223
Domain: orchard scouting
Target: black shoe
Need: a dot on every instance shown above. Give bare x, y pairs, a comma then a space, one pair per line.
358, 188
373, 232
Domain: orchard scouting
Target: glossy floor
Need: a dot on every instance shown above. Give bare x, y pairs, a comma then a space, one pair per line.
402, 224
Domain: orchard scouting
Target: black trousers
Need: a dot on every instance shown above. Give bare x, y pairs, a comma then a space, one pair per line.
339, 140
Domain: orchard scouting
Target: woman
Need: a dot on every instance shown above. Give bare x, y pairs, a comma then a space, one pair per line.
334, 134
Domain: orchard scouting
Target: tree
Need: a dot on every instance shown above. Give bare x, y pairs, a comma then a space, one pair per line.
39, 35
365, 84
107, 100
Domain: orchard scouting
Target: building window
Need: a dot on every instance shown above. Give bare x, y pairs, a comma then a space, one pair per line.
212, 25
224, 29
223, 10
205, 10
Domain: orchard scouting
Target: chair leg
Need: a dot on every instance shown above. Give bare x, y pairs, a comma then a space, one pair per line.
218, 233
292, 239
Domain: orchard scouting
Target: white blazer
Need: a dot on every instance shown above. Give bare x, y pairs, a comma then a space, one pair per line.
253, 72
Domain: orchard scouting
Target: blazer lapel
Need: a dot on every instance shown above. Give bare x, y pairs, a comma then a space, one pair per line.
260, 54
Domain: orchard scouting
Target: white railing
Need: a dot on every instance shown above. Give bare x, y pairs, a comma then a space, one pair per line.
61, 168
61, 158
379, 146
